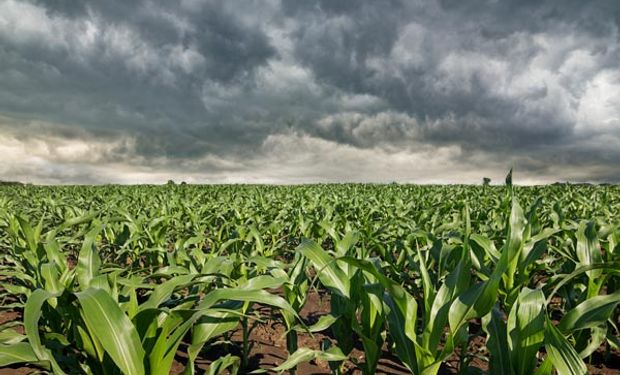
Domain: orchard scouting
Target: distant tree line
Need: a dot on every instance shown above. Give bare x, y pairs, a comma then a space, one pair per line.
11, 183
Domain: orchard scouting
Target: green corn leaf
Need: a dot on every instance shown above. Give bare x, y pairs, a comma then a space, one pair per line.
428, 287
90, 345
612, 268
525, 326
210, 325
563, 356
512, 249
77, 220
107, 322
475, 302
19, 275
588, 248
10, 336
50, 274
15, 289
88, 260
170, 334
228, 362
533, 249
398, 321
240, 294
207, 328
32, 314
400, 295
545, 368
457, 281
324, 322
163, 291
478, 300
16, 353
590, 313
332, 354
595, 337
497, 342
54, 254
328, 271
348, 241
263, 282
487, 245
213, 324
30, 234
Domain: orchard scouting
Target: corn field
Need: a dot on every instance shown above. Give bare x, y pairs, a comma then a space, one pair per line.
334, 279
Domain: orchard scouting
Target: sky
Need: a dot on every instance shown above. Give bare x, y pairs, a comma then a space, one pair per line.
290, 91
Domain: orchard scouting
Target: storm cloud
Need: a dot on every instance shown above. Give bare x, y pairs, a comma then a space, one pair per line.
309, 91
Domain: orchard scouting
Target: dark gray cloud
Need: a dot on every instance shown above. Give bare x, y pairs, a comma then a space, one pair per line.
482, 72
292, 91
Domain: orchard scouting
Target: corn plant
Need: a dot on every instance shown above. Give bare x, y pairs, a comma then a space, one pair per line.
119, 279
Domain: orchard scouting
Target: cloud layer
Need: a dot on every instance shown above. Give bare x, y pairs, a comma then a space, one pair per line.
309, 91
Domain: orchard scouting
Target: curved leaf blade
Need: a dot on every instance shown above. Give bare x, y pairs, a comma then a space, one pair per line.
107, 322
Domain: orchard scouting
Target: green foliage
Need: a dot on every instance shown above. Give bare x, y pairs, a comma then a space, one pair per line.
112, 279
